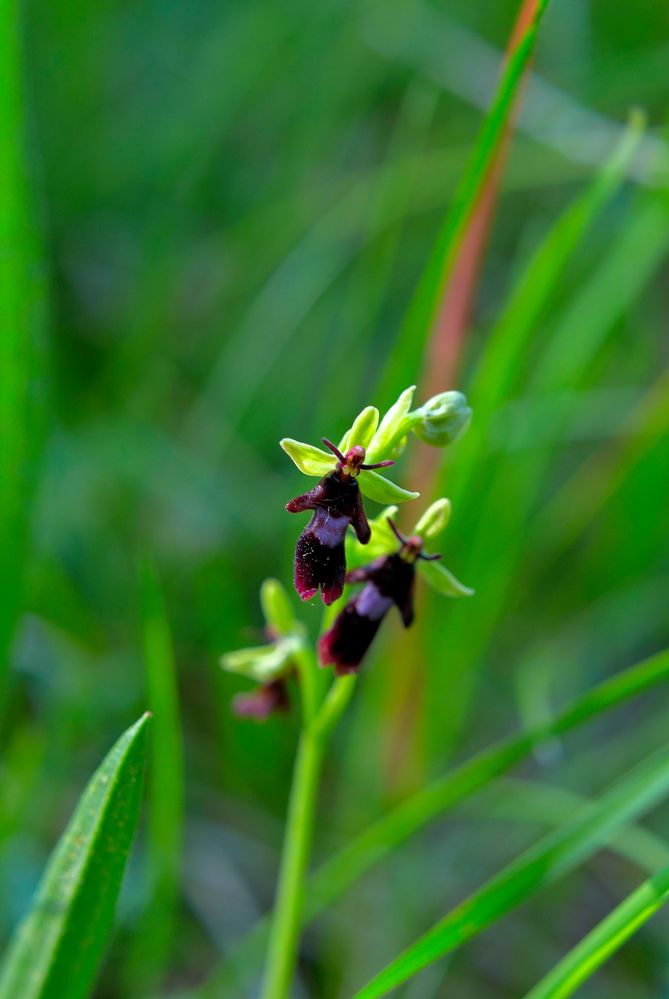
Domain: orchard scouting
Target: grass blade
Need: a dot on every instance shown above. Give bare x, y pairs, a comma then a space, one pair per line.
554, 856
58, 946
604, 940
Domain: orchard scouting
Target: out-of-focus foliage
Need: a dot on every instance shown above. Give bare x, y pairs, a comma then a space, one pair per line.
234, 204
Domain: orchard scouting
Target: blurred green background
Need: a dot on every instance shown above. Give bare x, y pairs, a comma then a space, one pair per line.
233, 205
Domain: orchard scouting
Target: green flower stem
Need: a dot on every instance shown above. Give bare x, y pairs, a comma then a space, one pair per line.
289, 905
334, 706
309, 683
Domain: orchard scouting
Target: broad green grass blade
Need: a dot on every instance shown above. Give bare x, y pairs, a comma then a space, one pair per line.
403, 366
57, 948
363, 852
604, 940
554, 856
153, 937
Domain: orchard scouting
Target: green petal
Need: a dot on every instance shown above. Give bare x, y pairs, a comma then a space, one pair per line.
362, 431
262, 663
277, 607
386, 437
309, 459
443, 581
376, 487
434, 520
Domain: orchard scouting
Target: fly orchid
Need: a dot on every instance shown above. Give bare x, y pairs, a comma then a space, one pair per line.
272, 664
389, 580
320, 558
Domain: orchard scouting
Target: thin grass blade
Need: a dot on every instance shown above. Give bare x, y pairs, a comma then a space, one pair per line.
604, 940
154, 935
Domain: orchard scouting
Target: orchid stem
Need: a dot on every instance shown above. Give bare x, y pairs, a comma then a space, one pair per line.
334, 705
289, 904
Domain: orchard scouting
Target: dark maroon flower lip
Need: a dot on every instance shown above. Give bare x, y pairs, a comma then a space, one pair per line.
336, 504
389, 580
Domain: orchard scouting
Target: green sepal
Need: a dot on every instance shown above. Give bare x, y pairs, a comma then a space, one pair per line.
393, 428
362, 431
277, 608
376, 487
309, 459
434, 520
263, 662
443, 581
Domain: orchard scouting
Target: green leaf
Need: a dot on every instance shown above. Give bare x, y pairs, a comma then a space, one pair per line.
309, 459
550, 859
362, 431
56, 950
393, 427
277, 608
434, 520
443, 581
380, 489
604, 940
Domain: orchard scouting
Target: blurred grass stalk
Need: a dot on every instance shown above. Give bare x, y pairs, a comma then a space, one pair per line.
448, 316
153, 938
16, 308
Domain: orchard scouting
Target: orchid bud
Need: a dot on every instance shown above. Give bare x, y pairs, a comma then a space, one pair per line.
277, 608
442, 419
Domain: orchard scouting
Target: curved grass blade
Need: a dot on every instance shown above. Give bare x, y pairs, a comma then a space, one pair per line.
604, 940
544, 863
408, 350
378, 840
56, 950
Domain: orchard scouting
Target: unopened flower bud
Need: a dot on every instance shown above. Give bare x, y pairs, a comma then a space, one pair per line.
442, 419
